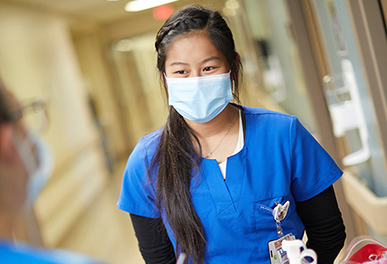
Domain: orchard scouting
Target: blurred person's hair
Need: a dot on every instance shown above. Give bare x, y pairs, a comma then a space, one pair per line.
5, 111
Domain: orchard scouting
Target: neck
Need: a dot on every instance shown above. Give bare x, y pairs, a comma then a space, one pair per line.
216, 126
219, 136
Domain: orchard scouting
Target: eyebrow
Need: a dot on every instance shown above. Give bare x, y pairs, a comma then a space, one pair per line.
177, 63
203, 61
210, 59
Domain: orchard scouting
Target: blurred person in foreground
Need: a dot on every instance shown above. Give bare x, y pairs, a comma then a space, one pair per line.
25, 166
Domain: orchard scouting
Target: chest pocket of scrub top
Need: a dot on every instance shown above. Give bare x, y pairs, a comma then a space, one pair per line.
265, 223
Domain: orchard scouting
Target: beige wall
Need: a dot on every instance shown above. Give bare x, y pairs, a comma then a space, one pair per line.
37, 58
99, 84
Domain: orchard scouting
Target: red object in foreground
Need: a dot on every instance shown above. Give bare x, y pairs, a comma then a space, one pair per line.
365, 250
368, 252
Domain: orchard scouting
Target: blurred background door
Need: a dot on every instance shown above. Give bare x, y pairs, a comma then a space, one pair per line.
350, 96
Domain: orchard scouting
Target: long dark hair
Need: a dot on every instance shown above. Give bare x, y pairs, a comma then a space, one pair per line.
176, 157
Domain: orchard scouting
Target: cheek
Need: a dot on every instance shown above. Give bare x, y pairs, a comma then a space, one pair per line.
14, 189
168, 72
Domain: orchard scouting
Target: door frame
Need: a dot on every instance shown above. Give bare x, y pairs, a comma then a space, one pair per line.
371, 36
314, 65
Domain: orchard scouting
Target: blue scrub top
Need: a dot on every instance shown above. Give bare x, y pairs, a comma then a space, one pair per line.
280, 161
20, 253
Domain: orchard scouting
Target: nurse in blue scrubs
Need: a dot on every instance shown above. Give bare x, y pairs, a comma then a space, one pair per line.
25, 165
207, 183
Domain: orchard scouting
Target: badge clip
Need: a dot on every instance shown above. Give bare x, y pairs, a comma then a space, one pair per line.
279, 214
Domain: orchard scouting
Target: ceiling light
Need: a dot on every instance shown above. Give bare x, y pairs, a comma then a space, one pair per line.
232, 4
138, 5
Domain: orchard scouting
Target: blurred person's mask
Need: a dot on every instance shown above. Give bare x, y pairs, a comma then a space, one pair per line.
200, 99
38, 167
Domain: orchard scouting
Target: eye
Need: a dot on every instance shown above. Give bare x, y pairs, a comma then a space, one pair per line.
181, 72
208, 68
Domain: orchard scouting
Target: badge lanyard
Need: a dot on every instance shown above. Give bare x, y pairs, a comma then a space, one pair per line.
277, 254
279, 214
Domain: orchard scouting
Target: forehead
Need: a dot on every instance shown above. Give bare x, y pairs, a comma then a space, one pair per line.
191, 48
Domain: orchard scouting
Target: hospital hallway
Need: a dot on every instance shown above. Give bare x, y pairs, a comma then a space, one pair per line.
93, 65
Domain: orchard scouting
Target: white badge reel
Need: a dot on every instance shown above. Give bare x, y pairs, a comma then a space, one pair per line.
277, 253
279, 214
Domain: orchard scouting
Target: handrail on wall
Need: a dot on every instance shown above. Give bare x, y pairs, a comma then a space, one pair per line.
372, 209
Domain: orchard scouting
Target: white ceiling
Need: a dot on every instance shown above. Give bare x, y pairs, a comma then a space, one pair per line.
97, 10
85, 13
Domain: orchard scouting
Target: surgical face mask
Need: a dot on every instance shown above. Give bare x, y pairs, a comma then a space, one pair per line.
200, 99
39, 168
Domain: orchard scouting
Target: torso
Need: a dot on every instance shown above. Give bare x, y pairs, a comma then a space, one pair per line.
269, 168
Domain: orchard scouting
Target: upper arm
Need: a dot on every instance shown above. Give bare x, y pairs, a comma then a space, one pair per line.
312, 168
137, 191
319, 208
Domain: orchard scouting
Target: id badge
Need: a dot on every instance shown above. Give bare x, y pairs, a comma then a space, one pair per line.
277, 254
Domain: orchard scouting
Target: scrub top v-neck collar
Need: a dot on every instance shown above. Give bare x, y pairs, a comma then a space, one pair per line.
239, 146
226, 192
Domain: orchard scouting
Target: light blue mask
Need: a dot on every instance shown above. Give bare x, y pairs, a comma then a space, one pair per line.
200, 99
38, 172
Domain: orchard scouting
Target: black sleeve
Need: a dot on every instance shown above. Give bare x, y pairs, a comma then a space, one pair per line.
153, 240
323, 224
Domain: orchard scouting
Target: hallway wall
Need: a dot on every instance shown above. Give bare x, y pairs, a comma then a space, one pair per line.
37, 59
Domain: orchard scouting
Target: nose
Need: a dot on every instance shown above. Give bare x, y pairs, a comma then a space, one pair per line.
195, 73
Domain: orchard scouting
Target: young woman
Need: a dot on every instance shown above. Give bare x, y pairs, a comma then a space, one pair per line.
207, 183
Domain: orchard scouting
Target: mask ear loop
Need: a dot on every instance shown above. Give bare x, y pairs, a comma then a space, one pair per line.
24, 149
38, 171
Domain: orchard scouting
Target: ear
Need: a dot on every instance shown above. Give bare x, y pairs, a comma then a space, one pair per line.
238, 57
237, 63
162, 77
236, 66
8, 151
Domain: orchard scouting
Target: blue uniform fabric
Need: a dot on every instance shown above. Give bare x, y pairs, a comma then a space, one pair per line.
280, 161
25, 254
